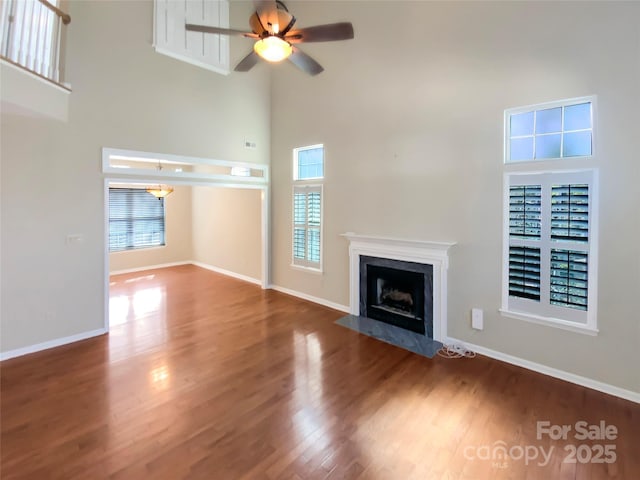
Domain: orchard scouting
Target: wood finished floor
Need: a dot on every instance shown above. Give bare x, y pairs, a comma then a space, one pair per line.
207, 377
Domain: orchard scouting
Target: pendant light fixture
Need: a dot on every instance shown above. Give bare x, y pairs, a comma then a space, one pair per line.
160, 191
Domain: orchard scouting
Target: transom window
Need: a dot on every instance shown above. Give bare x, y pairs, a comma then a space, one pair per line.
308, 162
557, 130
136, 219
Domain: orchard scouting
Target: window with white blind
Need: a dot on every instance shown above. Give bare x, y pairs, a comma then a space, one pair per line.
307, 226
549, 248
136, 219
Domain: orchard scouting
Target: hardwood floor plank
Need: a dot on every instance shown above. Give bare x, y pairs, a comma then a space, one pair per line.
203, 376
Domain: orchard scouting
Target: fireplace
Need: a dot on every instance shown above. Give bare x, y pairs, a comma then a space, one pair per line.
433, 258
397, 292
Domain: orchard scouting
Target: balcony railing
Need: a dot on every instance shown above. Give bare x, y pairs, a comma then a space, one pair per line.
31, 34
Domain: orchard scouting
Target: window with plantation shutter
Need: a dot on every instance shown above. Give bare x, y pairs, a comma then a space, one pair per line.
307, 226
136, 219
550, 263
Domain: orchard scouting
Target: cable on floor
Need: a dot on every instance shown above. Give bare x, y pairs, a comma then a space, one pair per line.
455, 351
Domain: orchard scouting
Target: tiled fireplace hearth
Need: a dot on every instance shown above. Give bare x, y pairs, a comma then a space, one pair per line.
399, 282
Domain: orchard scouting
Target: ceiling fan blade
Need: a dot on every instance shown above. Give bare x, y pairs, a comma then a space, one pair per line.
248, 62
304, 62
267, 11
321, 33
221, 31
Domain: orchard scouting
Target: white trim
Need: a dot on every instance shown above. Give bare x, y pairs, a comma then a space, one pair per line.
542, 312
296, 166
18, 352
106, 263
435, 249
552, 372
592, 99
311, 298
302, 268
185, 178
150, 267
64, 88
303, 263
183, 58
228, 273
115, 175
550, 322
420, 251
265, 236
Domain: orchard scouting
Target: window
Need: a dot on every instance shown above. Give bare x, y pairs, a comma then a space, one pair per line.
550, 236
555, 130
308, 162
136, 219
307, 226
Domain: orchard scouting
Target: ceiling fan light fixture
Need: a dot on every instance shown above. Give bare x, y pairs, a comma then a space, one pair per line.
273, 48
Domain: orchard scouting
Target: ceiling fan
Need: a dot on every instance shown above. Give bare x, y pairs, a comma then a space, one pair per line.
271, 26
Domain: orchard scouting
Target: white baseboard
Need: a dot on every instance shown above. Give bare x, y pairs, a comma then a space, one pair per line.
311, 298
150, 267
552, 372
18, 352
228, 273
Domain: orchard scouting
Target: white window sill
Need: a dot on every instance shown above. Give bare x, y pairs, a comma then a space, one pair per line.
139, 249
550, 322
317, 271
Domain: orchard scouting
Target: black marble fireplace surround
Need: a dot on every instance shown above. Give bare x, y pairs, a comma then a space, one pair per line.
397, 292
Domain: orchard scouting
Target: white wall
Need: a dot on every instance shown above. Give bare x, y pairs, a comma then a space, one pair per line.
178, 237
124, 96
411, 116
227, 229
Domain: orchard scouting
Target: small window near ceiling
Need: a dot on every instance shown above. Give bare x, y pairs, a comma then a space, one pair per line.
552, 131
136, 219
308, 162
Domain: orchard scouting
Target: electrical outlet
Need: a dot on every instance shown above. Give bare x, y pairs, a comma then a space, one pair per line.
476, 319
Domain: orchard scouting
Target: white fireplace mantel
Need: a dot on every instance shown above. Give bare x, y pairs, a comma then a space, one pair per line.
419, 251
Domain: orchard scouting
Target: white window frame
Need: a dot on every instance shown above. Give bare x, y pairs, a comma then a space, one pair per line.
544, 106
543, 311
296, 167
304, 263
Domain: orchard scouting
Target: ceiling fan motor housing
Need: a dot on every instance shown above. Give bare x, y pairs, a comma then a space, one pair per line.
285, 20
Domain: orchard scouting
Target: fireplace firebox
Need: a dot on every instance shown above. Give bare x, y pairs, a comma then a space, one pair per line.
397, 292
